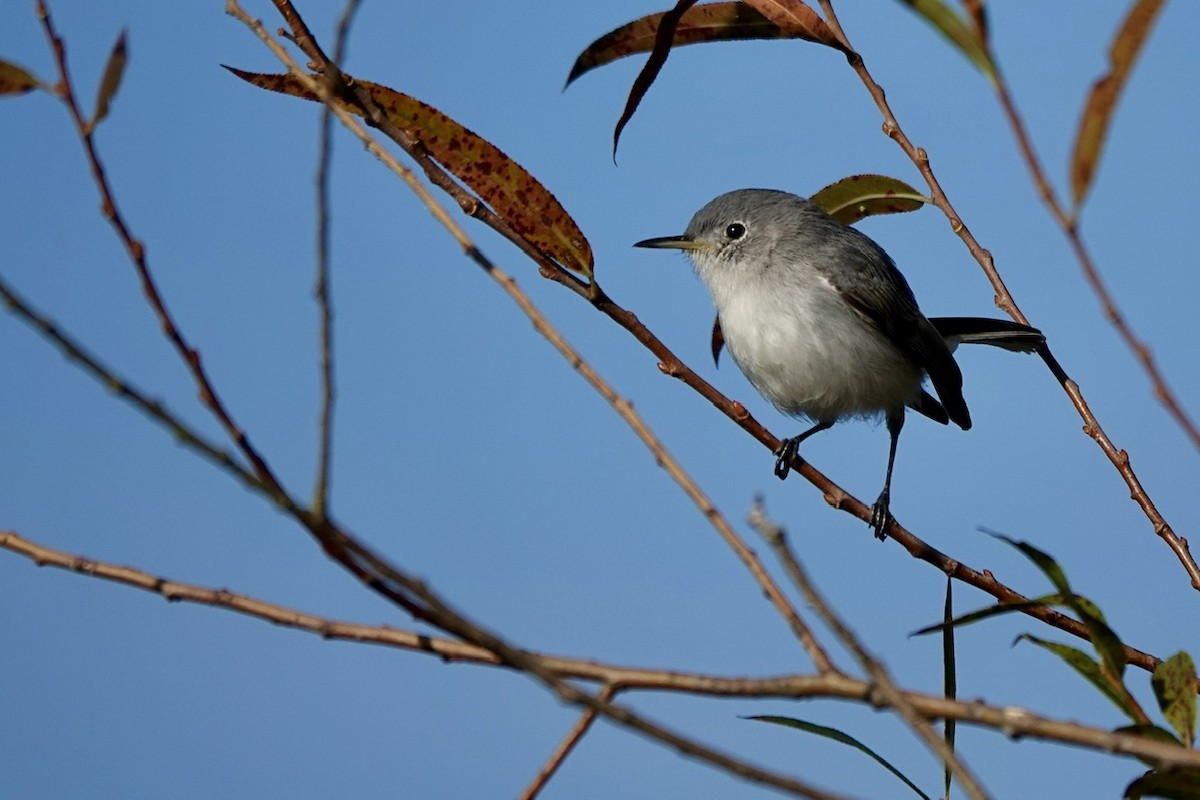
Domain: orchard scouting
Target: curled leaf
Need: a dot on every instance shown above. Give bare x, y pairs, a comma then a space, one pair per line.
969, 38
111, 81
710, 22
1174, 684
1106, 642
1102, 101
859, 196
663, 37
16, 80
515, 195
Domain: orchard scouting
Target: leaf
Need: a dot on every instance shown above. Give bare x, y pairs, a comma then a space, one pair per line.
16, 80
710, 22
1174, 683
949, 677
1176, 783
526, 205
1108, 645
663, 37
797, 19
111, 81
963, 35
1102, 101
843, 738
859, 196
992, 611
978, 15
1086, 666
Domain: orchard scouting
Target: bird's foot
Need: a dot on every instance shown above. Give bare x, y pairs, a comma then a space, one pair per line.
786, 452
881, 515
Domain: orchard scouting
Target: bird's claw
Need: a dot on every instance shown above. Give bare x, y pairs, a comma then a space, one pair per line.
786, 452
881, 516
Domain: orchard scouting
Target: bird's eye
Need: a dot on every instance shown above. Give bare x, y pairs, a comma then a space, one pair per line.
735, 230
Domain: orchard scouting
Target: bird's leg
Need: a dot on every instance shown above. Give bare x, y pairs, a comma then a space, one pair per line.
788, 447
881, 515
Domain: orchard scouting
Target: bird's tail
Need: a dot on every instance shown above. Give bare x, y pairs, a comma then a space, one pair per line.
996, 332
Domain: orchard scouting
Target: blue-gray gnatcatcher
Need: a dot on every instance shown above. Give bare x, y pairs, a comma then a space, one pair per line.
819, 319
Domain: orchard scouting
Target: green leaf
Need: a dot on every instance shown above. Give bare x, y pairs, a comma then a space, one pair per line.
949, 676
1107, 643
962, 35
1102, 100
993, 611
16, 80
850, 199
1176, 783
514, 194
843, 738
1174, 683
1090, 669
110, 82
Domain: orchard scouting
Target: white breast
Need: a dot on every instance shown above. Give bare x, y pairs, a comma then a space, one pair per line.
810, 353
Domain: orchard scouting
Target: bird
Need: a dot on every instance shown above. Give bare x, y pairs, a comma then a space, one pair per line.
822, 323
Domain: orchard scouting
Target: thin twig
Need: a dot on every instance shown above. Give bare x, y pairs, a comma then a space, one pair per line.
1070, 228
581, 727
1005, 301
888, 692
1011, 721
321, 289
156, 410
137, 255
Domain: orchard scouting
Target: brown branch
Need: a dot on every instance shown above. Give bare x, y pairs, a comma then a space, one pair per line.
156, 410
1005, 301
1009, 720
888, 693
137, 254
321, 289
1070, 228
577, 732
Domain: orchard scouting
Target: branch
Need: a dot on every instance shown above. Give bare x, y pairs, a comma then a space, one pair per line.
889, 694
1009, 720
1005, 301
137, 255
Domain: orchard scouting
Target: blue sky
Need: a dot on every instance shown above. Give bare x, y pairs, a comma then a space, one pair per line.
474, 457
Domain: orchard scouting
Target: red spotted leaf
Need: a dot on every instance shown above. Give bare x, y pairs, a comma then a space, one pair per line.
524, 203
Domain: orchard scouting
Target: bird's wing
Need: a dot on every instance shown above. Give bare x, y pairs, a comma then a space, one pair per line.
871, 284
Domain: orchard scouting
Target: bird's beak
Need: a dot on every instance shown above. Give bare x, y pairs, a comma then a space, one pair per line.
672, 243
